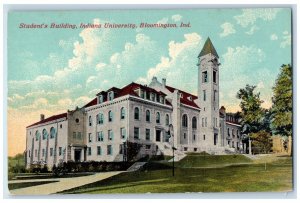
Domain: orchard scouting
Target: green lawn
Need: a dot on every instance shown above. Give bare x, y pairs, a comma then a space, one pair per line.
235, 178
13, 186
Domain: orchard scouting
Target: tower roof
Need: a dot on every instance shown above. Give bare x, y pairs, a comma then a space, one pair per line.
208, 48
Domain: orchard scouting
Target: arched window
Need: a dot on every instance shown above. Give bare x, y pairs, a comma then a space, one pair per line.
37, 135
167, 119
185, 121
136, 113
194, 123
122, 113
90, 120
228, 133
44, 134
233, 133
157, 117
147, 115
52, 133
110, 116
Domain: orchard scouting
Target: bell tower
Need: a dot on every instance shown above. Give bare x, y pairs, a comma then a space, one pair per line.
208, 94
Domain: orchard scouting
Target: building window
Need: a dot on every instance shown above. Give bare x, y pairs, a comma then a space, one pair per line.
215, 93
52, 133
35, 153
152, 97
98, 150
90, 137
122, 113
228, 133
37, 135
136, 133
121, 149
110, 116
195, 149
51, 151
206, 122
214, 76
185, 149
204, 95
74, 135
90, 120
89, 149
44, 134
123, 133
148, 147
148, 95
202, 122
237, 134
184, 135
167, 120
100, 98
184, 121
194, 123
100, 136
194, 137
204, 77
79, 137
109, 150
29, 153
110, 135
60, 126
157, 117
101, 118
147, 115
233, 135
136, 113
142, 94
203, 137
77, 120
110, 96
59, 151
147, 134
43, 152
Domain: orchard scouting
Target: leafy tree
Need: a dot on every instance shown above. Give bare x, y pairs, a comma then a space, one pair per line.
282, 102
261, 141
252, 114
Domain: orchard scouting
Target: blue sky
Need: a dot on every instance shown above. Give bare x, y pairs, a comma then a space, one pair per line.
51, 70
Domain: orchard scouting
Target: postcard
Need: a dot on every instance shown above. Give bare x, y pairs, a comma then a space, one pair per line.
150, 101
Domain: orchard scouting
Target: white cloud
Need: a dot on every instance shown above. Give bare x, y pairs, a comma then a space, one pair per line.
274, 37
252, 30
249, 16
176, 17
286, 39
179, 66
228, 29
100, 66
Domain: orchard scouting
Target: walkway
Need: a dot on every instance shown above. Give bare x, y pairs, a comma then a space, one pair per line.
63, 184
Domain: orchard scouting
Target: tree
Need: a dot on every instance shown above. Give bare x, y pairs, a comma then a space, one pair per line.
282, 107
252, 114
261, 141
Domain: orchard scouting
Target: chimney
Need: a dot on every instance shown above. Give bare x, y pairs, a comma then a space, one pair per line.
42, 117
164, 81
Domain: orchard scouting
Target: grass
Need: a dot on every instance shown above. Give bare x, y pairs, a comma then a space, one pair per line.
199, 160
13, 186
277, 176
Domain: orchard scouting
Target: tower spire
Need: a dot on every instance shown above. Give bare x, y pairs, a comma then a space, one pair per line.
208, 48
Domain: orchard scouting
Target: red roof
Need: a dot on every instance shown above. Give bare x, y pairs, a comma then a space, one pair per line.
52, 118
184, 99
91, 103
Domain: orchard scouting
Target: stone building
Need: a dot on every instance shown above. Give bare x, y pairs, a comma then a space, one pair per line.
140, 114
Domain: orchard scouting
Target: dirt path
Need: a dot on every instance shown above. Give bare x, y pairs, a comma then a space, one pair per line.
63, 184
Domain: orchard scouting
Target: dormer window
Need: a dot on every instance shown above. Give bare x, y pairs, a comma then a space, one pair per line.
152, 97
142, 94
162, 99
157, 98
111, 96
100, 99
